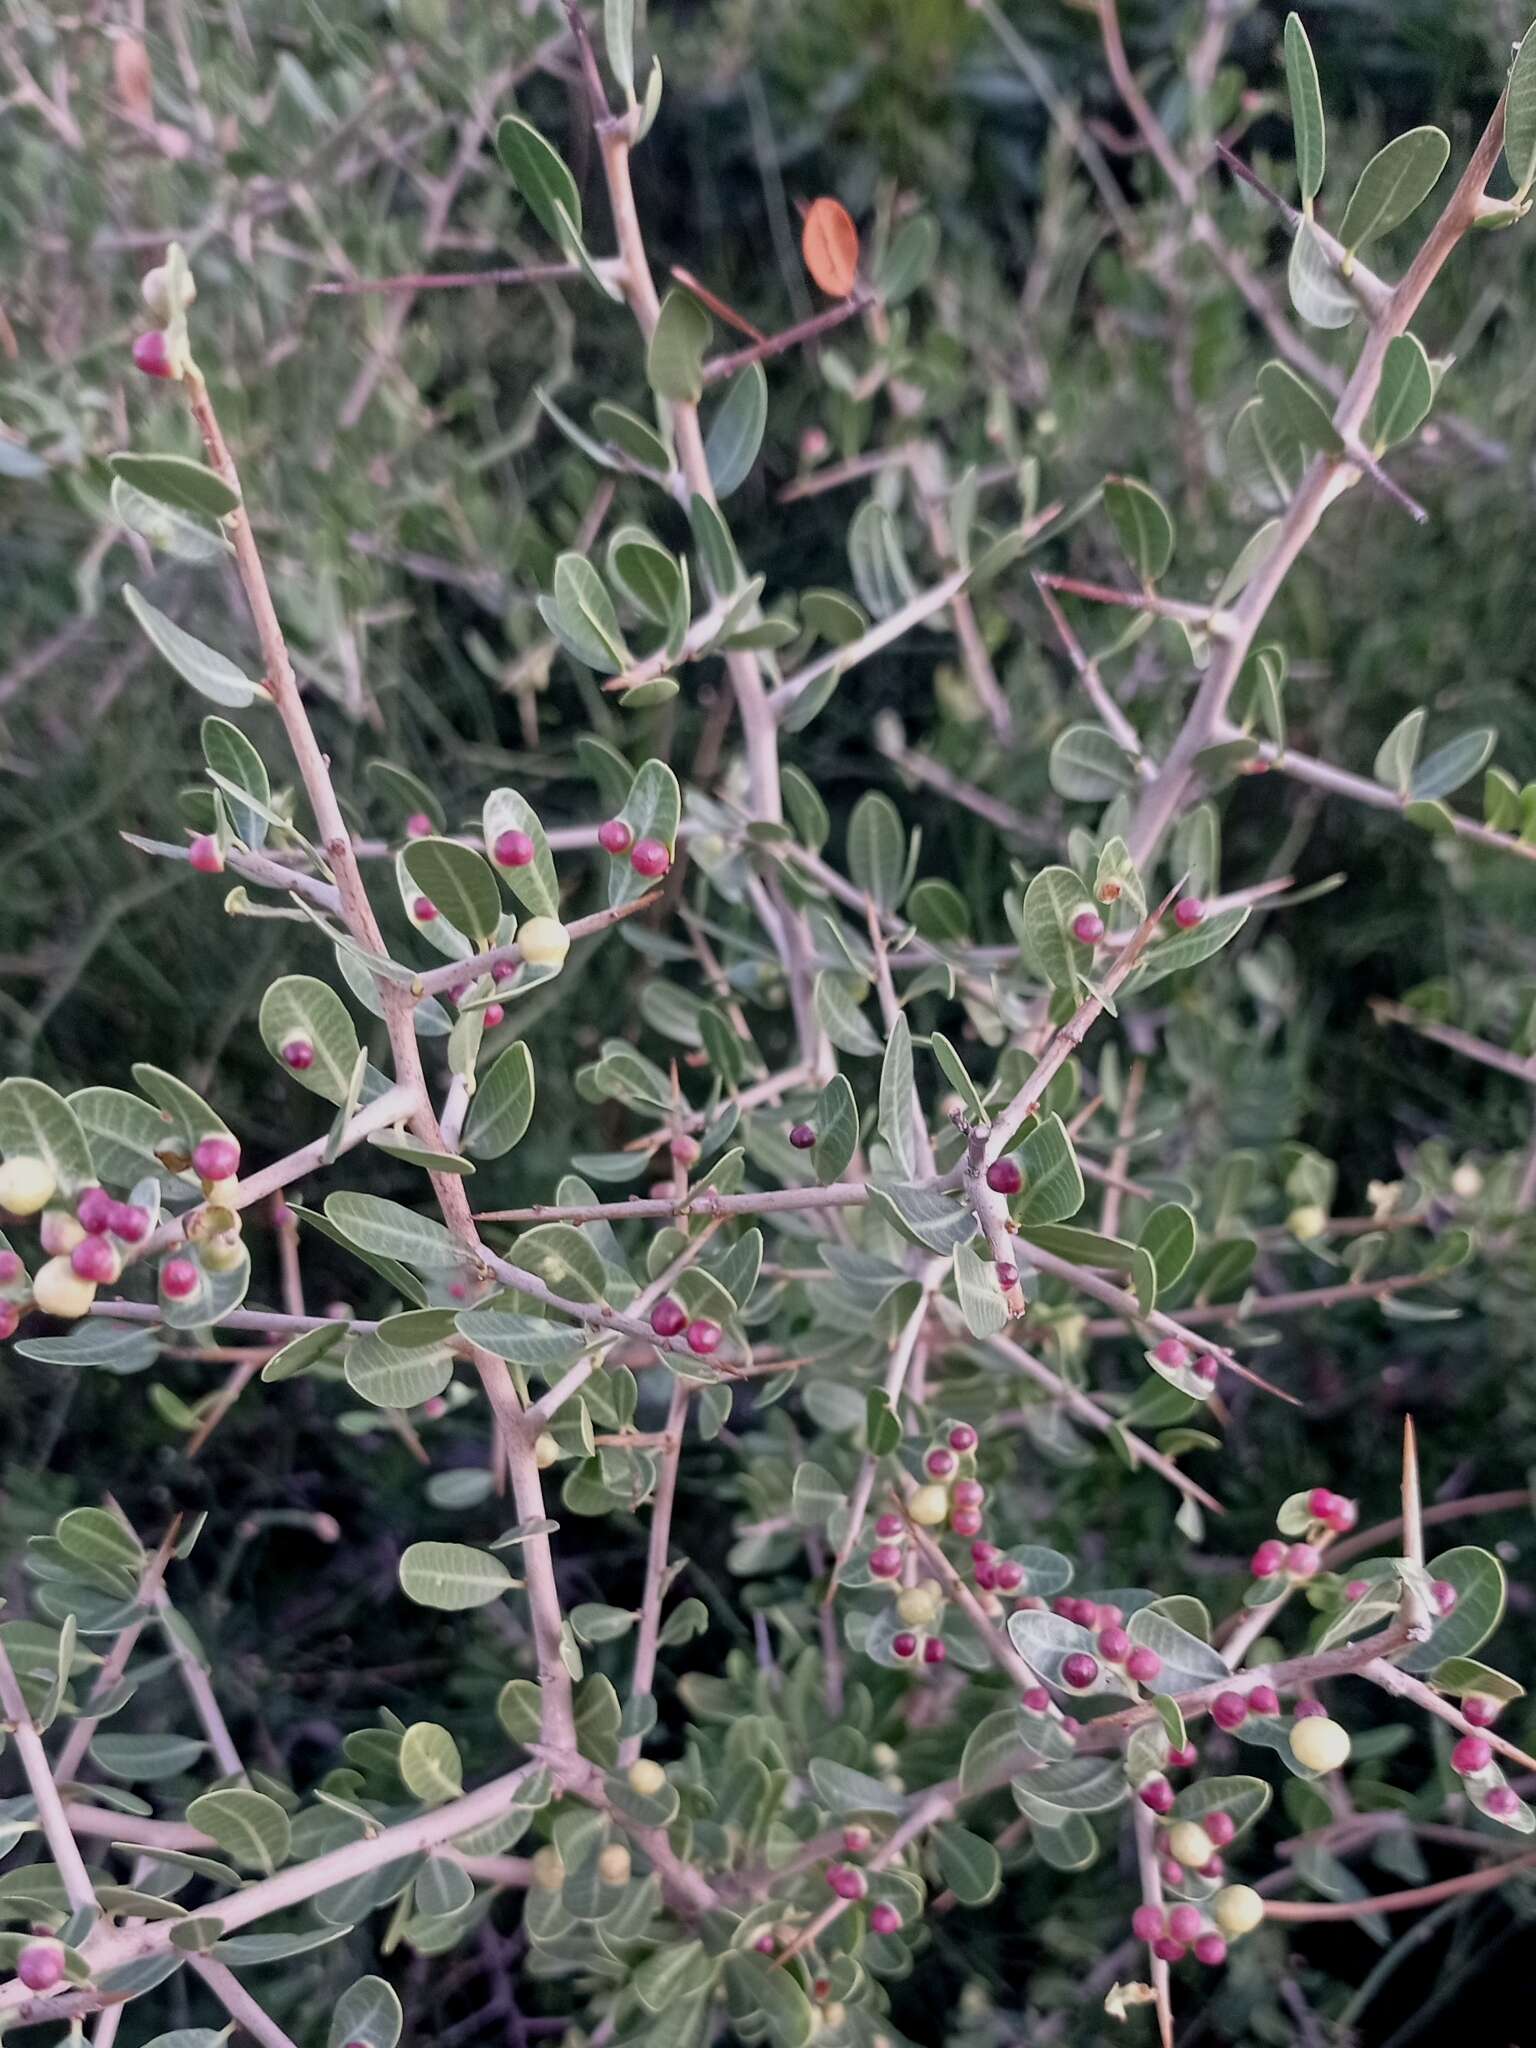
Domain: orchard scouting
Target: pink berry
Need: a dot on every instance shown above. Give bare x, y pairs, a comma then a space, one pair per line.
939, 1463
966, 1521
1263, 1699
1147, 1923
1036, 1701
802, 1137
1184, 1923
494, 1014
1167, 1950
514, 850
206, 855
1268, 1559
904, 1646
684, 1150
885, 1561
847, 1882
1065, 1606
1211, 1949
614, 836
1005, 1177
1220, 1827
890, 1528
764, 1945
179, 1279
1172, 1352
1172, 1873
884, 1919
668, 1317
985, 1553
1156, 1795
424, 909
11, 1268
1471, 1755
1356, 1589
1479, 1710
650, 858
1107, 1615
1143, 1665
968, 1493
1214, 1870
1503, 1802
962, 1437
856, 1841
986, 1577
1007, 1275
1206, 1368
1079, 1670
934, 1651
1308, 1710
299, 1054
216, 1159
1229, 1710
152, 354
418, 826
1008, 1575
1088, 927
1114, 1645
1320, 1503
1188, 913
94, 1258
1303, 1560
703, 1337
10, 1320
1445, 1596
1342, 1516
129, 1222
1183, 1759
94, 1209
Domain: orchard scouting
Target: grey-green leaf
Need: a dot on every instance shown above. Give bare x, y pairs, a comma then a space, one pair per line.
503, 1104
1395, 181
1520, 116
736, 431
674, 362
1143, 524
452, 1576
1306, 109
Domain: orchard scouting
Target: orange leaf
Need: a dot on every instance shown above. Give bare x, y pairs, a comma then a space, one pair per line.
829, 242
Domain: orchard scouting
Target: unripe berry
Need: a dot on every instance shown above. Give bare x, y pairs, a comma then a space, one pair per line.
613, 1865
684, 1150
1008, 1575
1268, 1559
929, 1505
1147, 1923
962, 1437
966, 1521
1320, 1503
26, 1185
206, 855
985, 1553
1221, 1828
96, 1259
1184, 1758
155, 291
548, 1868
1189, 1844
846, 1881
1167, 1950
650, 858
1479, 1710
668, 1317
297, 1053
904, 1646
1342, 1516
1172, 1352
934, 1651
59, 1232
40, 1965
884, 1919
1263, 1699
614, 836
646, 1778
1237, 1910
1445, 1596
152, 354
1229, 1710
59, 1290
802, 1137
179, 1279
1189, 912
920, 1606
1143, 1665
1206, 1368
1184, 1923
1471, 1755
985, 1576
216, 1158
765, 1945
546, 1451
1107, 1615
1079, 1670
1502, 1802
514, 850
1356, 1589
1303, 1560
1156, 1795
939, 1463
1005, 1177
703, 1337
494, 1014
1308, 1221
1211, 1949
1319, 1744
544, 942
885, 1561
1114, 1645
1088, 927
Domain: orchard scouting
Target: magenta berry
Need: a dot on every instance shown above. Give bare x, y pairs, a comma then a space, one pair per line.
1036, 1701
986, 1577
1107, 1615
885, 1561
1005, 1177
95, 1259
1303, 1560
764, 1945
1008, 1575
1263, 1699
152, 354
94, 1209
298, 1053
1156, 1795
1143, 1665
40, 1965
1356, 1589
847, 1882
1183, 1759
1342, 1516
966, 1521
1007, 1275
1229, 1710
418, 826
968, 1493
11, 1269
1172, 1873
216, 1159
506, 970
1088, 927
495, 1014
514, 850
179, 1279
1114, 1645
890, 1528
614, 836
962, 1438
802, 1137
206, 855
703, 1337
934, 1651
1268, 1559
1184, 1923
129, 1222
1479, 1710
10, 1320
985, 1553
1147, 1923
1471, 1755
1221, 1828
1079, 1670
1214, 1870
904, 1646
1188, 913
1445, 1596
1320, 1503
424, 910
939, 1463
1167, 1950
650, 858
1173, 1352
668, 1317
1210, 1949
1206, 1368
1502, 1802
884, 1919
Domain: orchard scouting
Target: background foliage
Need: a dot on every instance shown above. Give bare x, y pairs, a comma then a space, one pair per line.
412, 499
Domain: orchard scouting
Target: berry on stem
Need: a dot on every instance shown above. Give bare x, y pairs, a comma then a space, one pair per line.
614, 836
1229, 1710
1156, 1795
206, 855
1221, 1828
1188, 912
1008, 1575
1211, 1949
884, 1919
703, 1337
904, 1646
152, 354
890, 1528
1268, 1559
216, 1158
966, 1521
1007, 1275
1263, 1699
1189, 1844
1471, 1755
1143, 1665
298, 1053
514, 849
939, 1464
1445, 1596
1502, 1802
60, 1291
93, 1210
27, 1184
1184, 1923
1237, 1910
1005, 1177
650, 858
928, 1506
1479, 1710
1088, 927
846, 1881
1303, 1560
1079, 1670
423, 910
179, 1279
418, 826
934, 1651
1167, 1950
1319, 1744
544, 942
494, 1014
885, 1561
802, 1137
40, 1965
96, 1259
1114, 1645
1172, 1352
962, 1438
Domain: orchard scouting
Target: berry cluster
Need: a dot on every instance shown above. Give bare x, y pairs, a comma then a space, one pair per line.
648, 857
1314, 1517
670, 1319
1173, 1932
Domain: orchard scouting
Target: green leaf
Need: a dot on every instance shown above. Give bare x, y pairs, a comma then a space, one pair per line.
833, 616
835, 1120
1404, 395
458, 881
584, 612
1245, 1799
1088, 766
1084, 1784
976, 1289
770, 1999
1187, 1662
939, 911
672, 1973
877, 849
178, 481
927, 1214
1395, 181
1168, 1237
502, 1108
1520, 116
1398, 752
882, 1425
367, 2012
1053, 1181
534, 886
955, 1073
1142, 523
1318, 291
1463, 1675
1453, 764
908, 258
1306, 110
880, 571
635, 437
971, 1867
649, 575
897, 1117
837, 1010
230, 755
392, 1232
250, 1828
141, 1759
97, 1537
429, 1764
394, 1367
736, 431
452, 1576
845, 1792
38, 1123
210, 673
1264, 456
1051, 901
1298, 407
540, 175
674, 360
1479, 1580
301, 1352
652, 810
1186, 949
619, 42
298, 1006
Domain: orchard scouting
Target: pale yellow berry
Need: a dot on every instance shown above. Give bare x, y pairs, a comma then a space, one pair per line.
544, 942
1466, 1183
613, 1864
548, 1869
835, 2013
546, 1451
59, 1232
883, 1757
920, 1606
1310, 1220
929, 1506
1319, 1744
58, 1290
1237, 1909
646, 1778
1189, 1844
26, 1185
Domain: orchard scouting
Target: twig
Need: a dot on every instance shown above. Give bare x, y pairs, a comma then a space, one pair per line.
45, 1793
791, 337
